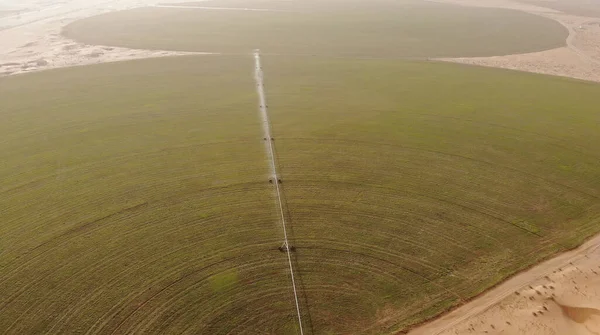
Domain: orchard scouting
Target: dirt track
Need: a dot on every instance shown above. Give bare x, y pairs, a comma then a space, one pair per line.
448, 322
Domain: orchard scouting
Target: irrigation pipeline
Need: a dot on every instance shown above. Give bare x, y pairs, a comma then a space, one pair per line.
258, 77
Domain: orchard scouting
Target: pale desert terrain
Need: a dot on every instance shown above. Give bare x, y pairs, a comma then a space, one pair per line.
557, 297
31, 40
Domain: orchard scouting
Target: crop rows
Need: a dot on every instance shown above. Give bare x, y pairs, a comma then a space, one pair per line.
139, 203
410, 195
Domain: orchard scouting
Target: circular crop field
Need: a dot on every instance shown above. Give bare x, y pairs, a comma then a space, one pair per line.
382, 28
135, 195
428, 183
134, 201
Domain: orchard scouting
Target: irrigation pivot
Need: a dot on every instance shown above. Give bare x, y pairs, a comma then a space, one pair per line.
258, 77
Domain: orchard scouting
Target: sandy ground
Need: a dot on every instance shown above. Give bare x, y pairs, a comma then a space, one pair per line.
565, 302
31, 40
579, 59
557, 297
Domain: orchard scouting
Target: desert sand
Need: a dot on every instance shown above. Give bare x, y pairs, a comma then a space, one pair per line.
31, 40
558, 297
564, 301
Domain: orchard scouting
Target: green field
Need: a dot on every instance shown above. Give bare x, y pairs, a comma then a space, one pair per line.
134, 198
135, 195
381, 28
429, 182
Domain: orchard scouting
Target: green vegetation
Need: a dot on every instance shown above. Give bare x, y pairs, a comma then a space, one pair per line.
382, 28
412, 186
134, 199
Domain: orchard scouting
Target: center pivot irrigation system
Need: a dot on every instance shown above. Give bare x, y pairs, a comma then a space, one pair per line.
260, 88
